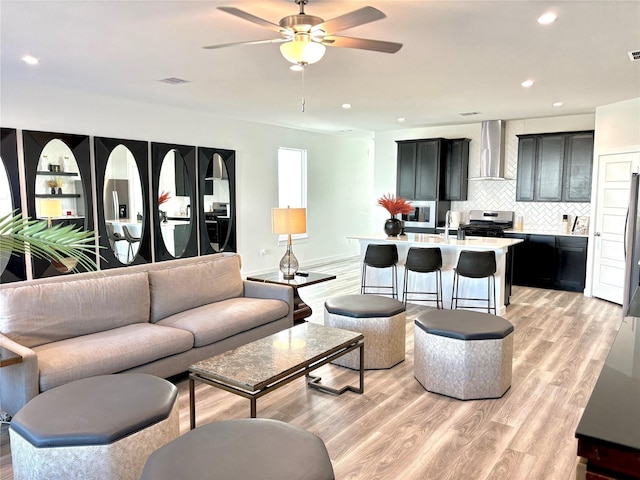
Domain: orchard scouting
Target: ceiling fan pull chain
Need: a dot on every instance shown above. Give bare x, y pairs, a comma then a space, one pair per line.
303, 69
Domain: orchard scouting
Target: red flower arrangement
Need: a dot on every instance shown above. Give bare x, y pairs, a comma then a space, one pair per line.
164, 196
395, 205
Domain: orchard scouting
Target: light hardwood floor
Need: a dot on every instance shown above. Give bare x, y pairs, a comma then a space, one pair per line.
397, 430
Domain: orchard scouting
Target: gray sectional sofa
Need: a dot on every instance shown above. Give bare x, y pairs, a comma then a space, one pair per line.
157, 318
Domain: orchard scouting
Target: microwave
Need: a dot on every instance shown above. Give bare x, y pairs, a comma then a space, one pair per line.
423, 216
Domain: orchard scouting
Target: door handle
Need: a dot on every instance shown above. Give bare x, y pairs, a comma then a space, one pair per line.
597, 234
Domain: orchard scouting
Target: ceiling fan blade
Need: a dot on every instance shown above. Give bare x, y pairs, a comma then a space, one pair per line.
357, 17
361, 43
251, 18
254, 42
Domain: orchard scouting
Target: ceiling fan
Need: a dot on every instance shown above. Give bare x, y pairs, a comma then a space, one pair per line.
303, 37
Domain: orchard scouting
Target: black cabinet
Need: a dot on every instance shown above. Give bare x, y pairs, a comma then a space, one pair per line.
183, 186
433, 169
547, 261
456, 169
555, 167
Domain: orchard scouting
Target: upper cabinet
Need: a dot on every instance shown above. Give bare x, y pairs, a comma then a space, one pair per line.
555, 167
433, 169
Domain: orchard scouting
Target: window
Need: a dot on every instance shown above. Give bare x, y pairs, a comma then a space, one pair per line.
292, 180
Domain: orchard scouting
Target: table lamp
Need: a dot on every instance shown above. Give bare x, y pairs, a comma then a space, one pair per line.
50, 208
288, 221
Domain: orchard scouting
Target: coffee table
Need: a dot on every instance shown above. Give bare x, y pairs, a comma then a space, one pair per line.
300, 309
259, 367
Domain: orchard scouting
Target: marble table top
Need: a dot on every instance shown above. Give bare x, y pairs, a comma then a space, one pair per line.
256, 365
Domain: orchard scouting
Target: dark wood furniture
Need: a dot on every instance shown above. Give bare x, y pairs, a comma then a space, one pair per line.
555, 167
609, 431
300, 309
433, 169
259, 367
550, 261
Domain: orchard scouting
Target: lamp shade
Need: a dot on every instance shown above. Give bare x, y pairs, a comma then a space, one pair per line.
288, 221
50, 207
302, 50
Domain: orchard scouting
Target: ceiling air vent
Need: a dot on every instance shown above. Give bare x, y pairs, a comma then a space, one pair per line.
634, 55
468, 114
173, 81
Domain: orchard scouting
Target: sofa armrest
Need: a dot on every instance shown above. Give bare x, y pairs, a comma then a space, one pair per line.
270, 290
20, 381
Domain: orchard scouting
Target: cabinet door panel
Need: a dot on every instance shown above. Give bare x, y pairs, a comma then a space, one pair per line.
427, 163
578, 167
456, 170
571, 260
550, 168
526, 169
406, 169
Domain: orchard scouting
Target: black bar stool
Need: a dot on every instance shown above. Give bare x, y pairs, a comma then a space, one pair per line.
423, 260
380, 256
472, 264
131, 239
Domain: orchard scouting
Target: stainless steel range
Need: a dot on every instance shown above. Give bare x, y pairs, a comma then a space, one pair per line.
488, 223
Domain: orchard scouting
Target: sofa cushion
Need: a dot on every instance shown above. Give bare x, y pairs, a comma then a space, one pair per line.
177, 289
107, 352
217, 321
38, 314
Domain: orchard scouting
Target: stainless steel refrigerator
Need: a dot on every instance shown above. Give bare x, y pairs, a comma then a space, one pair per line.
632, 244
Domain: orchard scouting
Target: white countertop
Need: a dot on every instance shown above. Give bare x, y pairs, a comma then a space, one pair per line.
423, 239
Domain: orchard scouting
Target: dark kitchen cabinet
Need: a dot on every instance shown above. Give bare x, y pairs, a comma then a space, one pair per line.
456, 169
571, 263
578, 168
547, 261
183, 186
432, 169
555, 167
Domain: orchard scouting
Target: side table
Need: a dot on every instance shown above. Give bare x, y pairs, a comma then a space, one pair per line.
300, 309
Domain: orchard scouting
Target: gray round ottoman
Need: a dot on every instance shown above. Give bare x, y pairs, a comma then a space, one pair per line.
245, 449
102, 427
380, 319
463, 354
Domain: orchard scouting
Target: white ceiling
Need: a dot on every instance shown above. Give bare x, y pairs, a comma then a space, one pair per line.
458, 56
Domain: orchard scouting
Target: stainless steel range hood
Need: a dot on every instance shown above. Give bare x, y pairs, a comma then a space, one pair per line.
492, 151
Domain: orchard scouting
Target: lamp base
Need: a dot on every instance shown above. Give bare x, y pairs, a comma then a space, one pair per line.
289, 264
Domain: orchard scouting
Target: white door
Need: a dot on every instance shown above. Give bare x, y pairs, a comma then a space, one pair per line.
614, 180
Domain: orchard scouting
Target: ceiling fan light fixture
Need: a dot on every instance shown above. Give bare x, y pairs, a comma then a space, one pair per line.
302, 50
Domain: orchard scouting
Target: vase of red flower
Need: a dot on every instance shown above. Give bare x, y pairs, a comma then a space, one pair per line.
395, 206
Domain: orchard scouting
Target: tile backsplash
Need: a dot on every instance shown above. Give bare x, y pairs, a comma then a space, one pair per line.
501, 194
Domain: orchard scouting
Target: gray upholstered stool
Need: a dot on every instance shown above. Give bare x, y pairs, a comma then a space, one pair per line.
242, 449
380, 319
102, 427
463, 354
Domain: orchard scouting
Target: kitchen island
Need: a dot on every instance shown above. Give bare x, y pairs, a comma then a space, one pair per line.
451, 249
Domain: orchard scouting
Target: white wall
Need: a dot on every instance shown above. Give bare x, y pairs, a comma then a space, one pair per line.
339, 178
618, 125
486, 194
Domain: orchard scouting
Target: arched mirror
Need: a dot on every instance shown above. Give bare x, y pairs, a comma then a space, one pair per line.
217, 194
6, 207
58, 186
123, 204
12, 266
174, 203
122, 172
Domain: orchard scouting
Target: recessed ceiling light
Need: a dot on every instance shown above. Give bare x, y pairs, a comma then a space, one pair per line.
29, 60
557, 104
401, 119
346, 106
527, 83
547, 18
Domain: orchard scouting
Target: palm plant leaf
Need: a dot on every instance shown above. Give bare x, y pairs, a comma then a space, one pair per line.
20, 235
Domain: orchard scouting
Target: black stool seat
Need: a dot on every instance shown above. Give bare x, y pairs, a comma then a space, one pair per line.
464, 325
241, 449
364, 306
95, 411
